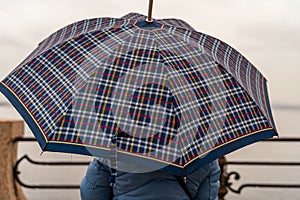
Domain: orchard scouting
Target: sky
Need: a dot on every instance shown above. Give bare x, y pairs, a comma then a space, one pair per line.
266, 32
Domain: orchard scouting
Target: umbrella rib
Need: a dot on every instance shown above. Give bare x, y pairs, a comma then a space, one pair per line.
215, 54
110, 53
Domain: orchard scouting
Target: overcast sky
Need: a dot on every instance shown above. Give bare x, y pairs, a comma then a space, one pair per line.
267, 32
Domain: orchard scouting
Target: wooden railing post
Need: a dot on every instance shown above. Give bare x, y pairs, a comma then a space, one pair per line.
9, 130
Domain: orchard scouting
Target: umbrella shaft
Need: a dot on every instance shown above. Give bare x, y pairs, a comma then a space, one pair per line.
149, 18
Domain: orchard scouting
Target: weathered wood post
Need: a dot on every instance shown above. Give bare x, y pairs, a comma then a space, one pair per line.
9, 130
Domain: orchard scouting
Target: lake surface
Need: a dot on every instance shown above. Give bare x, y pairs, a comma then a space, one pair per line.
287, 121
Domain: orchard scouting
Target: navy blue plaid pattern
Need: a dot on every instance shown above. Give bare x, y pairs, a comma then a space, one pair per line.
169, 94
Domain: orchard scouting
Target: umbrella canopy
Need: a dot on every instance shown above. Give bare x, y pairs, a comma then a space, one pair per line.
161, 94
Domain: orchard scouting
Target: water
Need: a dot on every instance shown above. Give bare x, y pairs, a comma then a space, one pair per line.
287, 122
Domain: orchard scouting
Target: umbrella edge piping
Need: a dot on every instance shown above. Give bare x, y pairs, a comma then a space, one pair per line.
25, 113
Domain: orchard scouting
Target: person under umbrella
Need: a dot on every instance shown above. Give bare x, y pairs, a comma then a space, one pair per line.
105, 183
203, 184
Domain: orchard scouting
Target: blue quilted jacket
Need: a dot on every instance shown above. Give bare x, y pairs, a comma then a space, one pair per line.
203, 184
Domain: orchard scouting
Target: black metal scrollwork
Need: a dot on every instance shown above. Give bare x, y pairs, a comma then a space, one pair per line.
26, 157
236, 176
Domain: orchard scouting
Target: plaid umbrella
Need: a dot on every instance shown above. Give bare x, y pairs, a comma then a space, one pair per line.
160, 94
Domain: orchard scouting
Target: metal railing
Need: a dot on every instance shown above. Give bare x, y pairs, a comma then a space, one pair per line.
226, 178
48, 186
